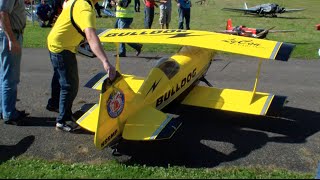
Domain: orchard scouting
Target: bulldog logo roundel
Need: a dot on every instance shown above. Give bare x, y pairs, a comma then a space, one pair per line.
115, 103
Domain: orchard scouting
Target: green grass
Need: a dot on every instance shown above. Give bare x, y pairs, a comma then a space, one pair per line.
36, 169
210, 17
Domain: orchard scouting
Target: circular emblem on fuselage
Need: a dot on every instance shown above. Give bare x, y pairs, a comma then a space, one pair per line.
115, 103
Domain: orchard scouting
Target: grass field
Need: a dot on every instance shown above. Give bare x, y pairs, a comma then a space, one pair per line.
210, 17
39, 169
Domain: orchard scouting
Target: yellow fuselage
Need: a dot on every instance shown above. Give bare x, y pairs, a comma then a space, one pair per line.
172, 76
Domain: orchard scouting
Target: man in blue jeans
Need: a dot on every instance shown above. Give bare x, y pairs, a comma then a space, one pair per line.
149, 13
63, 40
12, 24
124, 14
184, 9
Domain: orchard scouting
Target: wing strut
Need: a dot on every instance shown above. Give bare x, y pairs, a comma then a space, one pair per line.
203, 79
257, 80
118, 58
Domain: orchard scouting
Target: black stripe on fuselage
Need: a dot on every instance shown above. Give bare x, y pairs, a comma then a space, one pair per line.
284, 52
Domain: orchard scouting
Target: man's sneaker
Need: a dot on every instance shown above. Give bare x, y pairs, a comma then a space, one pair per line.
17, 121
63, 127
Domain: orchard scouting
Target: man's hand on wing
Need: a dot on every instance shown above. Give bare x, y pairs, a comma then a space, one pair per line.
110, 70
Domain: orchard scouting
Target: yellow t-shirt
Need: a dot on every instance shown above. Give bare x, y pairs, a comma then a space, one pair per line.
63, 35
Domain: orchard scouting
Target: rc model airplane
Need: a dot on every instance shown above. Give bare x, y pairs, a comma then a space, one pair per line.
130, 107
270, 9
250, 32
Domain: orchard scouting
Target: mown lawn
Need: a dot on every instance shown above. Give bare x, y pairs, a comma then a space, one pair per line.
39, 169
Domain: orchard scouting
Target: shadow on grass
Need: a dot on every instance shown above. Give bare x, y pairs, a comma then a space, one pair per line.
203, 133
7, 152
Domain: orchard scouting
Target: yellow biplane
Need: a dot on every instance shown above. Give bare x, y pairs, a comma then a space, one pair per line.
130, 106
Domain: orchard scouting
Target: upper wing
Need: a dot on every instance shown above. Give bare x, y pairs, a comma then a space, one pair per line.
229, 32
217, 41
281, 31
239, 10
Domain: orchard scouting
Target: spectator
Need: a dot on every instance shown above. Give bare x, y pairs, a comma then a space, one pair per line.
137, 5
184, 11
63, 40
124, 15
28, 2
12, 24
165, 13
56, 8
149, 13
45, 13
98, 9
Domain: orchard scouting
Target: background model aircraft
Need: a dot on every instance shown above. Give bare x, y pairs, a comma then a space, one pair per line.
270, 9
131, 107
250, 32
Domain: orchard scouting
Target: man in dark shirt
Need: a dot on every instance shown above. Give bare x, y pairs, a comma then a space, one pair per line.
45, 13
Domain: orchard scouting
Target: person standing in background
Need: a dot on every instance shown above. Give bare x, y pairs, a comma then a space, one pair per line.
149, 13
45, 13
56, 8
12, 24
137, 5
184, 10
98, 8
165, 13
124, 15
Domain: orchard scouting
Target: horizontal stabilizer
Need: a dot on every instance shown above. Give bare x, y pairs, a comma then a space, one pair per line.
150, 124
234, 100
89, 119
96, 82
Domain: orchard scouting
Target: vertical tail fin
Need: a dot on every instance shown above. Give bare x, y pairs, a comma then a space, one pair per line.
229, 24
245, 5
115, 105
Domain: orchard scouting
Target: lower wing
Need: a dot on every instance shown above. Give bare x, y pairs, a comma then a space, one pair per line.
241, 101
293, 10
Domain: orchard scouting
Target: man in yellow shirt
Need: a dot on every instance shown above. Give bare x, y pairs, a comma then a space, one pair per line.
63, 40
